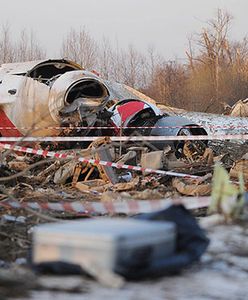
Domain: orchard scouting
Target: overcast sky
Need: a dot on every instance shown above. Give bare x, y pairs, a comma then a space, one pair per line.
166, 24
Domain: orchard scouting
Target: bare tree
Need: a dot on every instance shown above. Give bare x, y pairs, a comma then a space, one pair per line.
151, 63
169, 84
213, 59
105, 63
80, 47
152, 60
27, 48
7, 52
131, 64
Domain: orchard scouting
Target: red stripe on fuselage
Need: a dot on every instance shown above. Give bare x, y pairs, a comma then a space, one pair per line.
12, 131
128, 109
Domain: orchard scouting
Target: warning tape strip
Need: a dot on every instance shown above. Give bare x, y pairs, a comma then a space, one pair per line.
109, 207
121, 127
126, 138
52, 154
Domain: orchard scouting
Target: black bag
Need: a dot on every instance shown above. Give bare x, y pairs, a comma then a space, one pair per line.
191, 243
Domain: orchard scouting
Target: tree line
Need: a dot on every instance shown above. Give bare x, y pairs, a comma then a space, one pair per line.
215, 72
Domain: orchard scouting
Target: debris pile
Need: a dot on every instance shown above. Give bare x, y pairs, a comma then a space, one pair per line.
102, 169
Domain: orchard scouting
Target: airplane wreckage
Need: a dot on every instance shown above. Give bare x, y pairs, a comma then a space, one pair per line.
58, 98
38, 98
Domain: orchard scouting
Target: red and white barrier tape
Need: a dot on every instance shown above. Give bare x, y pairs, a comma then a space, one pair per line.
121, 127
126, 138
52, 154
108, 207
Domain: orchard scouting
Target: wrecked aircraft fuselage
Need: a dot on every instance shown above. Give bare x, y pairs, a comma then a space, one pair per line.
40, 98
32, 95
